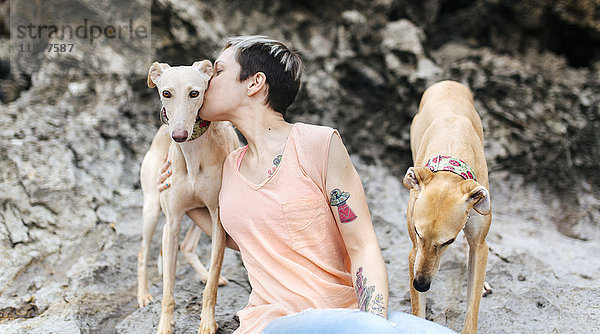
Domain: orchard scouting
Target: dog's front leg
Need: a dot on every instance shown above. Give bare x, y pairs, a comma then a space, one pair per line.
208, 324
170, 244
478, 252
417, 299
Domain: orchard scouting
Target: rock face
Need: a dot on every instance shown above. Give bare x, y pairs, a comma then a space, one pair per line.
71, 146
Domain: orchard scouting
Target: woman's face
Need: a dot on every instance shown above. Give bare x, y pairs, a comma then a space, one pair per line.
225, 93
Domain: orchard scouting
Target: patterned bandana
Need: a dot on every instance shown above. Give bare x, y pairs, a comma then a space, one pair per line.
200, 128
451, 164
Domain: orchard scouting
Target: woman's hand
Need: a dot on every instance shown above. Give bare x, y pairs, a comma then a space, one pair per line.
164, 173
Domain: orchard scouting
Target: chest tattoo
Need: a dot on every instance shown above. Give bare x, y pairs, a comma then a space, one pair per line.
276, 163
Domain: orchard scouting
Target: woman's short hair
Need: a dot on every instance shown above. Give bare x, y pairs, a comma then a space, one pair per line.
282, 67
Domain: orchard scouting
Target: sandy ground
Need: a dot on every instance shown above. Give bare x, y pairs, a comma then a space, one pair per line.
543, 282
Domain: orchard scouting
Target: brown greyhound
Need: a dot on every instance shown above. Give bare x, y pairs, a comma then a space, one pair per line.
448, 192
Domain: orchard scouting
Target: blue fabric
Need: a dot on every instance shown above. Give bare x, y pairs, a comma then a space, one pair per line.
344, 321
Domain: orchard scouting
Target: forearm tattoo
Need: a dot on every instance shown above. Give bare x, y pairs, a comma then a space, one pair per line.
276, 162
366, 301
339, 198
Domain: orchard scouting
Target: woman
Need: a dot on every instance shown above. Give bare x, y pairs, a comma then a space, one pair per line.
291, 202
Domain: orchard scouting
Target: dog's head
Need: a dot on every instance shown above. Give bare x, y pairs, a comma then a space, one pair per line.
442, 202
181, 90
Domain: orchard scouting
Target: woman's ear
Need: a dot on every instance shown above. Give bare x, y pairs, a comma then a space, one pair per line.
256, 83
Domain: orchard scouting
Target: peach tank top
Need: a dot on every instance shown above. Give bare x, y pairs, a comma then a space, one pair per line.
288, 238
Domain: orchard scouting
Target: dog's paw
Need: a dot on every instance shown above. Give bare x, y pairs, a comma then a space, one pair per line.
208, 327
223, 281
144, 299
164, 327
487, 289
204, 279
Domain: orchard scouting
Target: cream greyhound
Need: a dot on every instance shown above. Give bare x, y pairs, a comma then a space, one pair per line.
197, 150
448, 192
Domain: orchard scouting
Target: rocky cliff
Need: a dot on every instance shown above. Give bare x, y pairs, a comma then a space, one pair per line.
71, 145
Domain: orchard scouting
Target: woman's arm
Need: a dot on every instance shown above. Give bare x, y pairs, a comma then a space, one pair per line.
349, 206
200, 216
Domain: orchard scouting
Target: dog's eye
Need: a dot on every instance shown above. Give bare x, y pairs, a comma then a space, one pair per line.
194, 93
448, 242
166, 94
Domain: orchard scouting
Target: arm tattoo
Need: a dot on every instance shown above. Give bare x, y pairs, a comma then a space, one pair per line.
339, 198
366, 301
276, 162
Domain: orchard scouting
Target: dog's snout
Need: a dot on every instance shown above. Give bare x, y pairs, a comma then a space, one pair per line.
421, 285
180, 136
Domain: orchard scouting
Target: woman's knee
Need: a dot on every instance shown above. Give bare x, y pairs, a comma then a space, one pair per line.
413, 324
331, 321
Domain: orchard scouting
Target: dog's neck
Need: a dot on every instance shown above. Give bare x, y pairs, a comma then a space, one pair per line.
446, 163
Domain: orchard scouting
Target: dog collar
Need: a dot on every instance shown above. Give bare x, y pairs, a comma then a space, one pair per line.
451, 164
200, 126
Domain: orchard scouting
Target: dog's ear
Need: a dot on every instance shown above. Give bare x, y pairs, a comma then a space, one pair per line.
204, 66
477, 197
156, 69
416, 177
